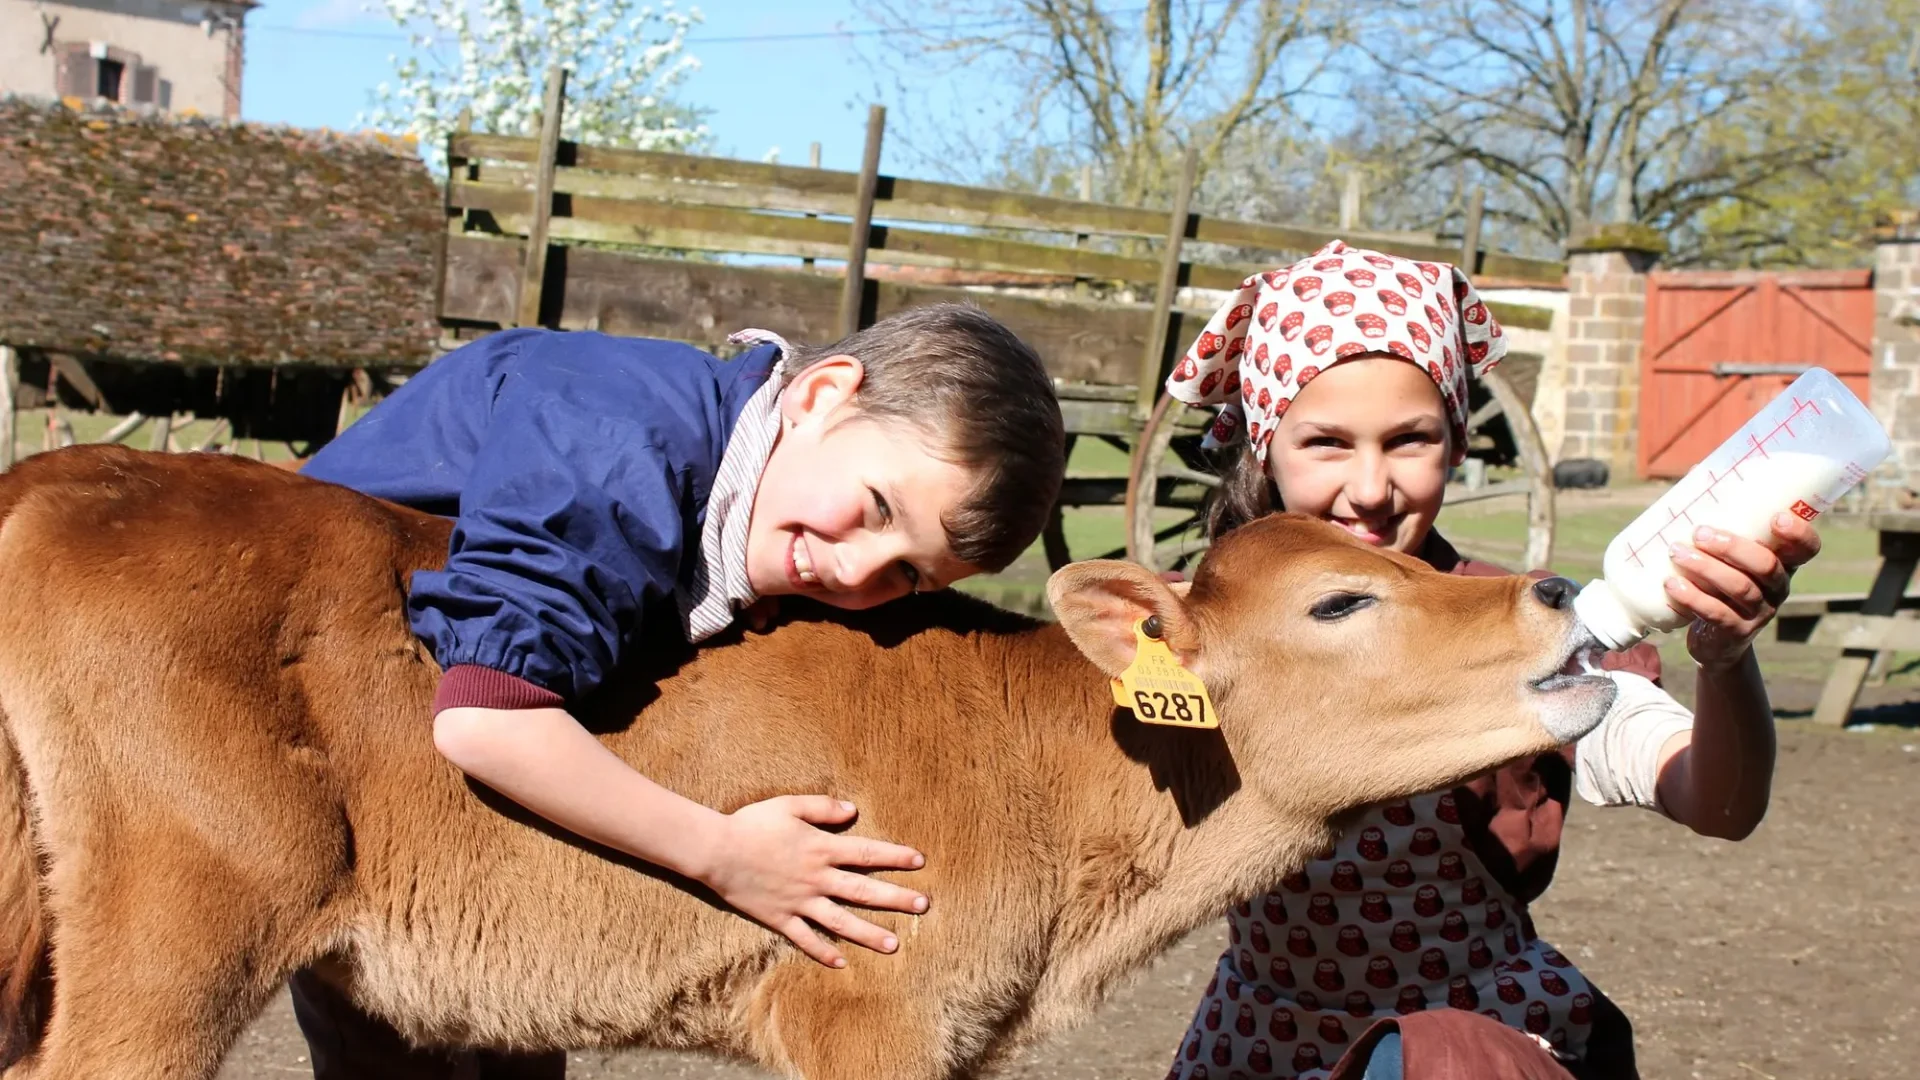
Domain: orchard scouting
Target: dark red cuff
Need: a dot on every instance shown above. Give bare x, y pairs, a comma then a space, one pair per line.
476, 687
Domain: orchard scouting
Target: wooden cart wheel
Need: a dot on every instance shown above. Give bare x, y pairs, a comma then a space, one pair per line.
1167, 472
1505, 407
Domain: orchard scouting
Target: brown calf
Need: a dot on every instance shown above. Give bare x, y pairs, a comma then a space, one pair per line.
216, 767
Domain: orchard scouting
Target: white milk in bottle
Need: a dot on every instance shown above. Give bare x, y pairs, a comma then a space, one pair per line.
1799, 455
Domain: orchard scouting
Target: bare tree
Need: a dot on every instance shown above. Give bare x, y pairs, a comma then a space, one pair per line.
1856, 84
1576, 112
1127, 87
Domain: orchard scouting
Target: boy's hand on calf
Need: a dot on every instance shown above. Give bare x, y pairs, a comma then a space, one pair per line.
774, 866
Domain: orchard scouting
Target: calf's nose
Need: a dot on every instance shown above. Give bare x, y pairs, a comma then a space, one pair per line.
1555, 592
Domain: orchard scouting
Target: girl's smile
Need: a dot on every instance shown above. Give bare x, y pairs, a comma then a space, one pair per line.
1365, 446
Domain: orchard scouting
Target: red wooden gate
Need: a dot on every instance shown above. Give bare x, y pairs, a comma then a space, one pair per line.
1720, 344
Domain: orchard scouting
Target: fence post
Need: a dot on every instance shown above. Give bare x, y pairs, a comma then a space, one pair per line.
534, 274
162, 433
9, 394
855, 289
1177, 224
813, 162
455, 220
1350, 202
1081, 286
1470, 235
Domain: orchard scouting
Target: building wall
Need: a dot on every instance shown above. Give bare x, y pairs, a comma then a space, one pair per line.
190, 68
1549, 407
1895, 377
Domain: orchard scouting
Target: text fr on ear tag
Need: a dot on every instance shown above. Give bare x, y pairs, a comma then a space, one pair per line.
1158, 689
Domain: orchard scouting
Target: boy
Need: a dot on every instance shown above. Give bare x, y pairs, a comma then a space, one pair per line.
598, 481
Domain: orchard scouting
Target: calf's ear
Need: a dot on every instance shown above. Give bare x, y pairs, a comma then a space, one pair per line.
1100, 601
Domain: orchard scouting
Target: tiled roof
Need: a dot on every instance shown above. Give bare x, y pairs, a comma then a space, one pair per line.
140, 236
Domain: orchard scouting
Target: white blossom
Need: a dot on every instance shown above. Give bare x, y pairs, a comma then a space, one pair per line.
624, 63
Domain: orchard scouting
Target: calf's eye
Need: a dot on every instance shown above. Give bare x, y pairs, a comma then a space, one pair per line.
1338, 606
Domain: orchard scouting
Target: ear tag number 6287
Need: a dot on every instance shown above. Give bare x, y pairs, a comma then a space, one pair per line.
1159, 690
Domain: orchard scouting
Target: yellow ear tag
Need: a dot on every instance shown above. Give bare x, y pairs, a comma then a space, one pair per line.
1159, 690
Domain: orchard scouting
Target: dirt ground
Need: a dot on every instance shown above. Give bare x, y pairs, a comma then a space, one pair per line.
1793, 955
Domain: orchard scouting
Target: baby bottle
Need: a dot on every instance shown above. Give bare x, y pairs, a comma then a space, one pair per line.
1800, 454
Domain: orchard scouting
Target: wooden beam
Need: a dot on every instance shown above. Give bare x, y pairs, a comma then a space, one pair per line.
1147, 387
162, 433
533, 280
692, 179
218, 432
853, 291
1876, 632
124, 428
813, 162
1899, 555
455, 218
74, 370
697, 301
1470, 234
9, 396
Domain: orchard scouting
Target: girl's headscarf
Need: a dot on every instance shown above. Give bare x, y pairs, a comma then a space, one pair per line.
1283, 327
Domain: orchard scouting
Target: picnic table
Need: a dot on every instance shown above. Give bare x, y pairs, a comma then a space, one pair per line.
1867, 629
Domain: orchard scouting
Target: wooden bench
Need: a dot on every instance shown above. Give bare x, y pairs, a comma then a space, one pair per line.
1865, 628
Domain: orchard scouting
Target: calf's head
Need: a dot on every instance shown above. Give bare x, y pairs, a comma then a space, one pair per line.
1345, 675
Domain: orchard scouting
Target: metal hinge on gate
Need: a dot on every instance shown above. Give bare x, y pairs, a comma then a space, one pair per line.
1761, 369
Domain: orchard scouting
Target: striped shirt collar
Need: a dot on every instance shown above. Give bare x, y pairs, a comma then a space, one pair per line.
720, 585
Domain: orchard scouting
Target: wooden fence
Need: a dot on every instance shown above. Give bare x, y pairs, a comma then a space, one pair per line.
581, 205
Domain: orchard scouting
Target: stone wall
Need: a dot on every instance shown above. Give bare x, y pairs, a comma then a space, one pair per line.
1606, 285
1895, 375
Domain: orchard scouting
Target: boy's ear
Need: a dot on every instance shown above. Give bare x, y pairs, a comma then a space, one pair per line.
1100, 601
821, 389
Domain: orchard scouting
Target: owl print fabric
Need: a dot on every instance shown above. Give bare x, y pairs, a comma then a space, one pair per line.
1402, 917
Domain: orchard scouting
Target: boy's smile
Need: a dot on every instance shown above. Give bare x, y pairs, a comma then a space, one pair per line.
850, 511
800, 564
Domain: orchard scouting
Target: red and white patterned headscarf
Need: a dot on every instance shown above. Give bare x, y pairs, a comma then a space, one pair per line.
1283, 327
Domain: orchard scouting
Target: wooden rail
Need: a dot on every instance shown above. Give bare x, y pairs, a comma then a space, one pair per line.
537, 227
687, 198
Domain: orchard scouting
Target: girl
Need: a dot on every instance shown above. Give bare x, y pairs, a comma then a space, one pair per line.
1343, 386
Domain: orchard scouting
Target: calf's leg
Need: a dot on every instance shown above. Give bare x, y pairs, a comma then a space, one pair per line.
155, 974
853, 1024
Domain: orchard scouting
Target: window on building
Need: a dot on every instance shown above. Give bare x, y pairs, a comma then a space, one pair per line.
107, 84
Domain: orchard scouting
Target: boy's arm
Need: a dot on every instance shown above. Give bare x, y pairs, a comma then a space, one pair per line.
570, 535
767, 860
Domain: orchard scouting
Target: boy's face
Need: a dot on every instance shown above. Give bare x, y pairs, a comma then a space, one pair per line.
849, 511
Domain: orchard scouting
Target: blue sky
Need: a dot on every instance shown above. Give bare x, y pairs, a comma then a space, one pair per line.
314, 63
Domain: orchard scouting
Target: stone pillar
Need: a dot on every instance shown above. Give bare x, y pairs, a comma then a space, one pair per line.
1895, 375
1606, 305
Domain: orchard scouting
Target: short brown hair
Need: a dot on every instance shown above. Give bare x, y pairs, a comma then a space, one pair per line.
955, 373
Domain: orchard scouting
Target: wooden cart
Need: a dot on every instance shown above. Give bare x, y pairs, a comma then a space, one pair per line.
543, 231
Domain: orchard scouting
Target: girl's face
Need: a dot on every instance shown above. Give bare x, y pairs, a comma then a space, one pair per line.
1364, 445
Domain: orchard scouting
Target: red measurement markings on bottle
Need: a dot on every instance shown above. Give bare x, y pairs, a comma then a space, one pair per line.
1758, 449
